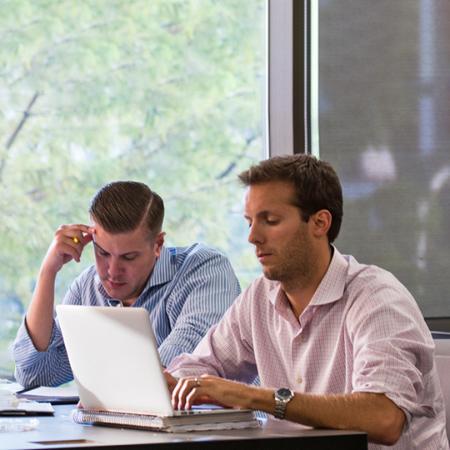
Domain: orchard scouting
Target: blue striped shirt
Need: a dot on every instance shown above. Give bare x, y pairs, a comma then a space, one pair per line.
188, 291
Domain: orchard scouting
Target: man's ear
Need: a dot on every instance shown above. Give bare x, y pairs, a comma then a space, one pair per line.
321, 221
159, 242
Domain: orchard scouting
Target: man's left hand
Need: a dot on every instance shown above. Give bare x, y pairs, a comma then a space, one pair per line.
210, 389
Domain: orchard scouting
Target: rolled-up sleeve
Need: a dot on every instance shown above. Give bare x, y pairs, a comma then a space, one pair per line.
393, 352
43, 368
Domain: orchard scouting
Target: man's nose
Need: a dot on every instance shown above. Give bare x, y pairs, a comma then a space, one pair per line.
255, 235
114, 268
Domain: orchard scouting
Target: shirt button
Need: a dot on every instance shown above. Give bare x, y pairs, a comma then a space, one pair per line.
299, 380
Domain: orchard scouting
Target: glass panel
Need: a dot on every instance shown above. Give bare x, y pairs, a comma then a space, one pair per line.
163, 91
384, 124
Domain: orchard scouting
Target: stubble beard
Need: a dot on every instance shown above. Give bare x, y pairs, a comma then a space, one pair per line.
296, 267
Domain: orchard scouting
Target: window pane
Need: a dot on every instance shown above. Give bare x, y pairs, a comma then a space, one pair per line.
163, 91
384, 115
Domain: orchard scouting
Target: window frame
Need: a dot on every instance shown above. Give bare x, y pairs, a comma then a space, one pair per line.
292, 105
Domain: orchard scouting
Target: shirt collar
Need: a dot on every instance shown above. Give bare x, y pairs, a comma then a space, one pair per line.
332, 286
165, 267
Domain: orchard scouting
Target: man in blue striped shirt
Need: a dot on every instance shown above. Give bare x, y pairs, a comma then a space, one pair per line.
185, 290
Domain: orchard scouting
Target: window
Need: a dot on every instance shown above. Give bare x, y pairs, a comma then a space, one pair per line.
166, 92
383, 123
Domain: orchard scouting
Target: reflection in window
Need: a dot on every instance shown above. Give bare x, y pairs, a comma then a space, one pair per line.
383, 117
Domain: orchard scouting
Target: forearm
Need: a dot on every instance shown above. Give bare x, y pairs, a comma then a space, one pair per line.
372, 413
39, 317
67, 245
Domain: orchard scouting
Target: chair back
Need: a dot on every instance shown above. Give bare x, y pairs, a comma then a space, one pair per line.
442, 358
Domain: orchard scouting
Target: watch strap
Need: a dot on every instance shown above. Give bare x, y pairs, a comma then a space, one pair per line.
282, 397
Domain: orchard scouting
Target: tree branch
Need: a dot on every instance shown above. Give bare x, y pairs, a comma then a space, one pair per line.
13, 137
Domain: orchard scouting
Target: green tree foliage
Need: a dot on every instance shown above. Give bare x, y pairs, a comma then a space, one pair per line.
167, 92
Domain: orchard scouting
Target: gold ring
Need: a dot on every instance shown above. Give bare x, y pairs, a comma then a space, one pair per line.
75, 240
197, 382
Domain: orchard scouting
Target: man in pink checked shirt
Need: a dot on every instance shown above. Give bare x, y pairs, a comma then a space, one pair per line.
336, 344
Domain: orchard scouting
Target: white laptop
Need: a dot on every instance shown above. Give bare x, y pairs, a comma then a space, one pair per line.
115, 362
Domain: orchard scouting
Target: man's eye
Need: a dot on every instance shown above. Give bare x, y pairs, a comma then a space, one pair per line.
129, 258
272, 221
102, 252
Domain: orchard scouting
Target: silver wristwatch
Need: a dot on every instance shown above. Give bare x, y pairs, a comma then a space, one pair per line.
282, 397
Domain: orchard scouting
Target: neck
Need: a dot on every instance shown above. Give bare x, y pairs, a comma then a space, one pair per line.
300, 291
129, 301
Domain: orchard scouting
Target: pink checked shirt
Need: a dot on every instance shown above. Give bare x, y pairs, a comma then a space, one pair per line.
361, 332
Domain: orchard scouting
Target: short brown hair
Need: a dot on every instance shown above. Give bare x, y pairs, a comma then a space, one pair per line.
121, 206
316, 185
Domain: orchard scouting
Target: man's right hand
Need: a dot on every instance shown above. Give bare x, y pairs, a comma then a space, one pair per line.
68, 244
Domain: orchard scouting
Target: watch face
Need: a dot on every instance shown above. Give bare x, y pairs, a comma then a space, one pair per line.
284, 393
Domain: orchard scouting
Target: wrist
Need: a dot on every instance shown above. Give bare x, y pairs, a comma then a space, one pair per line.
260, 399
282, 397
48, 271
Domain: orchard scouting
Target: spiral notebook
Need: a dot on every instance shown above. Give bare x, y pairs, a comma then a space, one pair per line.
175, 424
115, 362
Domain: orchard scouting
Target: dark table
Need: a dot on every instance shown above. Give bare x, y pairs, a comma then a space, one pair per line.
60, 432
